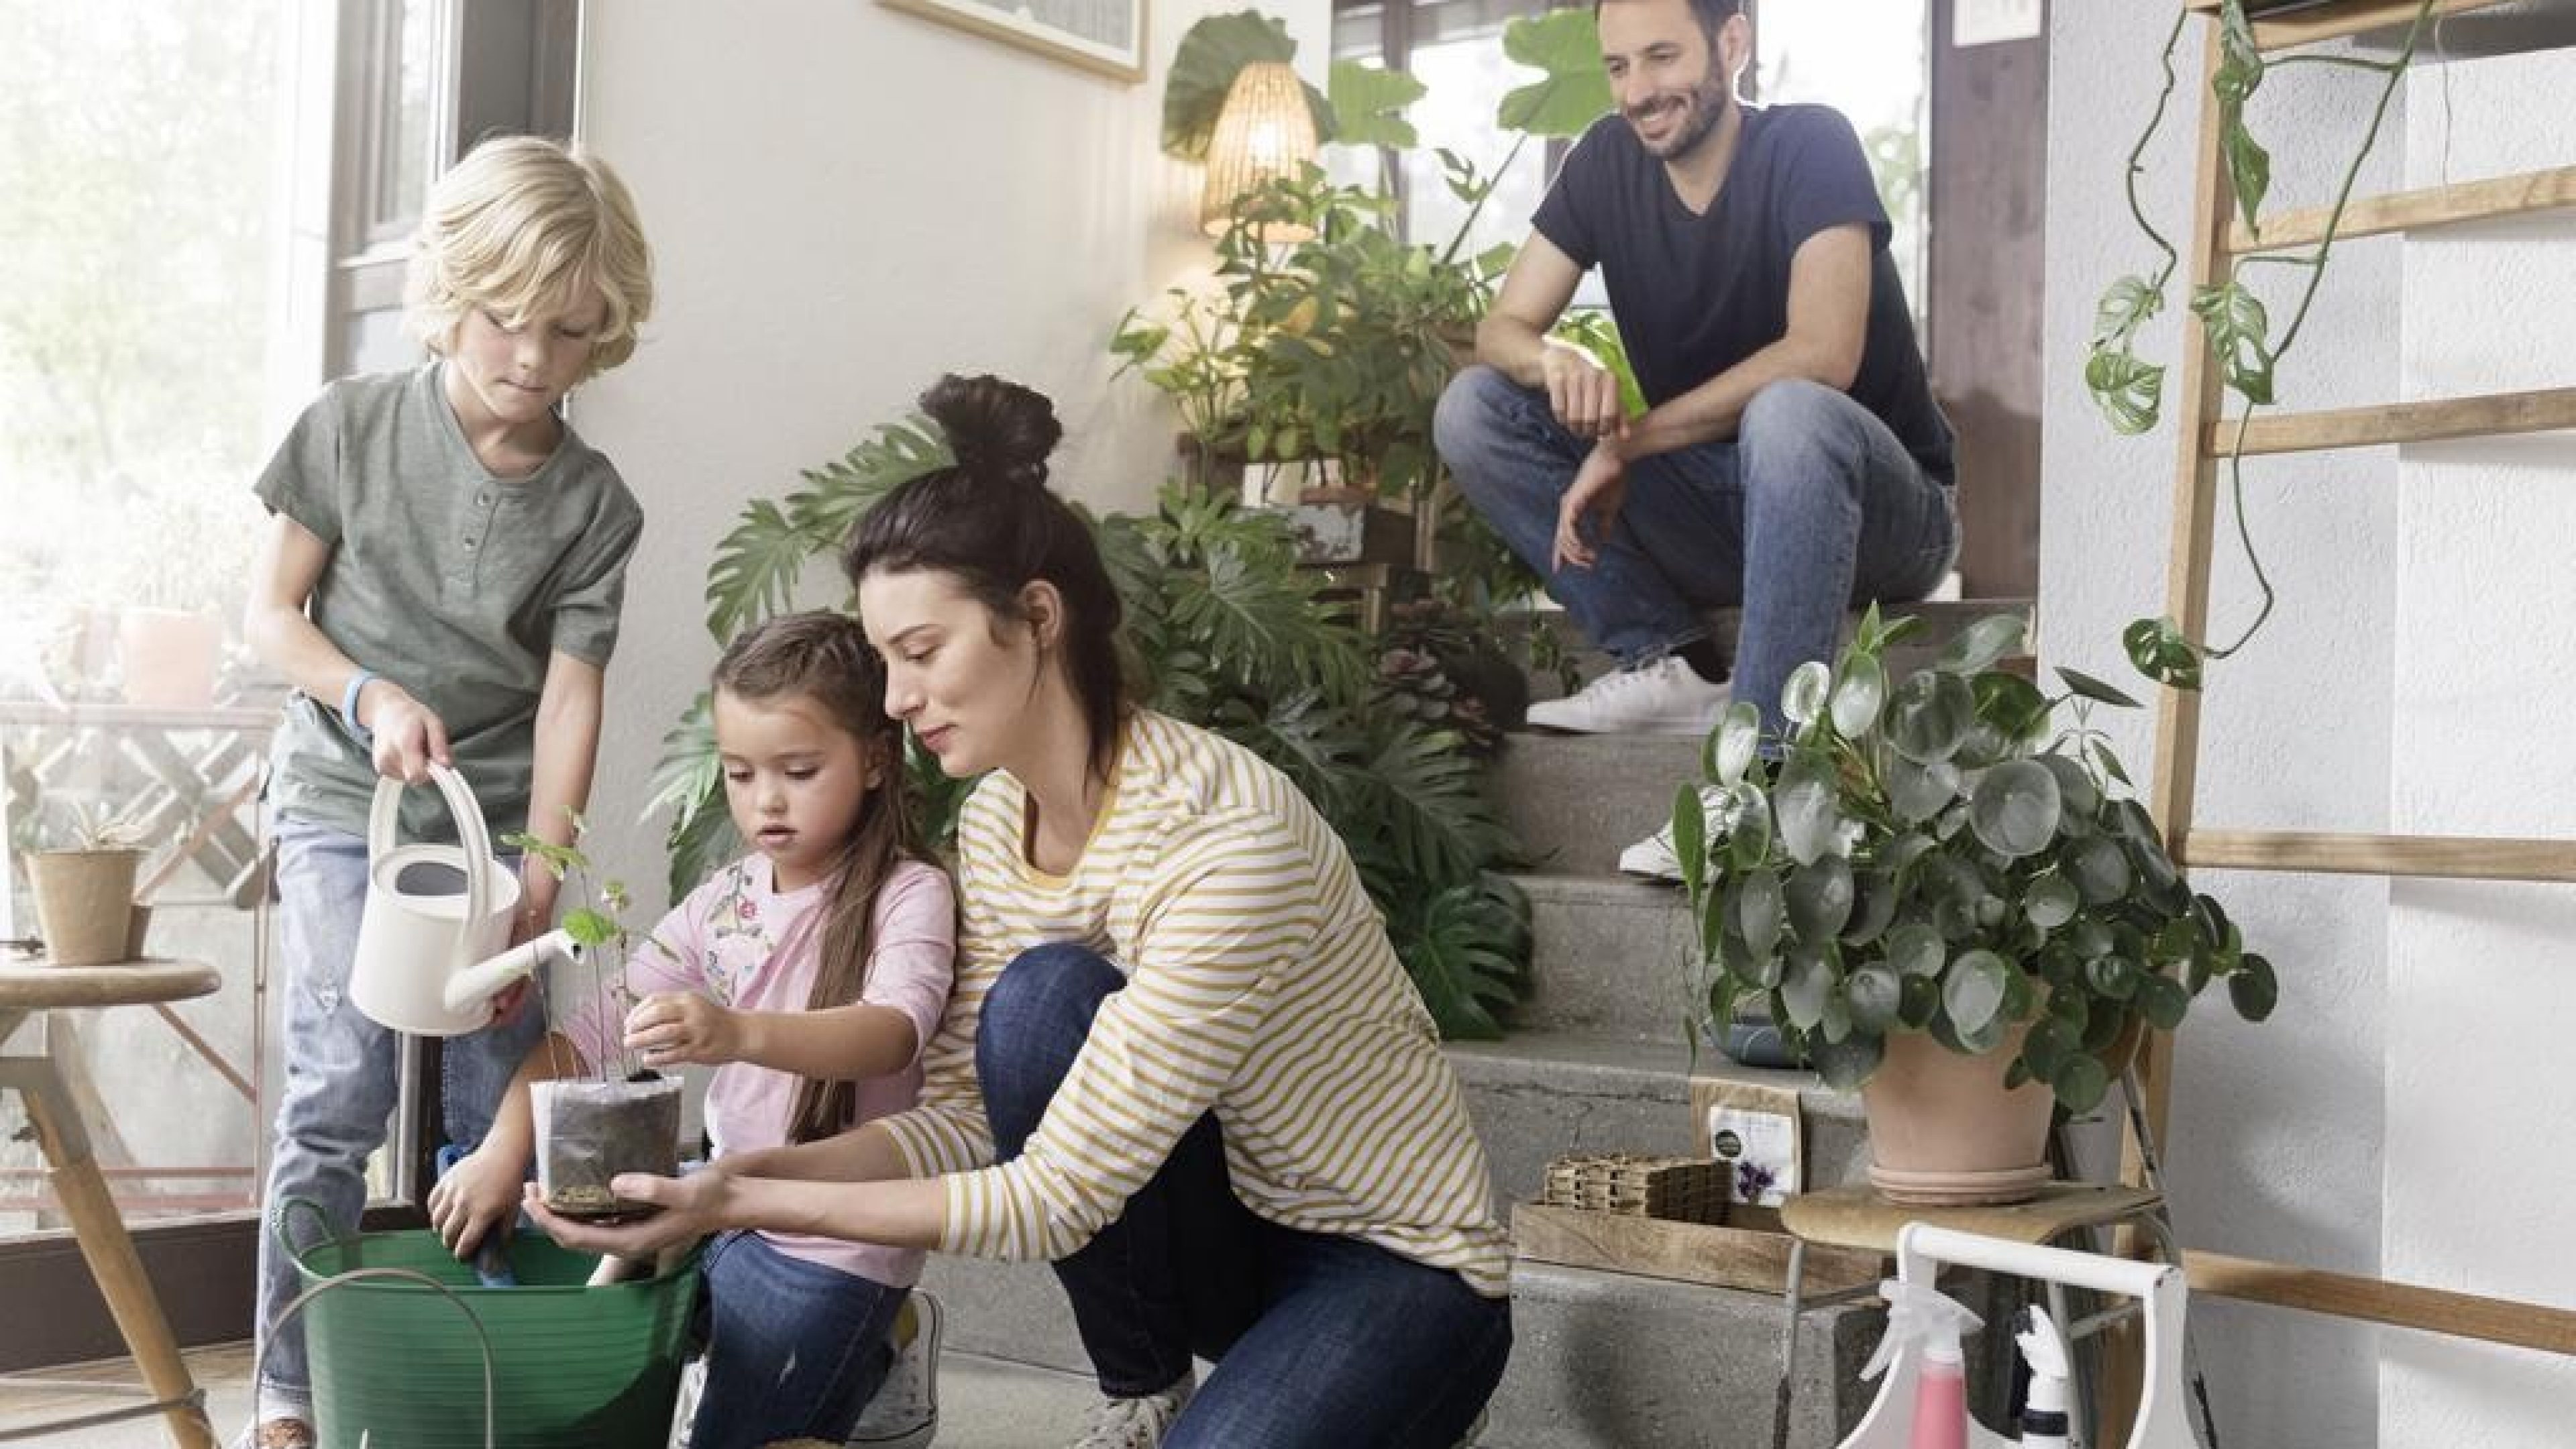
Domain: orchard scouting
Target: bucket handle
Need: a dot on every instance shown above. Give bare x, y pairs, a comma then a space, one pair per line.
471, 834
295, 1305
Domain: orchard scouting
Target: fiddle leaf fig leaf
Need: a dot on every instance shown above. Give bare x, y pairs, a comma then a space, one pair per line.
1575, 90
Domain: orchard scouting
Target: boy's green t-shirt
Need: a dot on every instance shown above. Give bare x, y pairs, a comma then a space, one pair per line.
452, 583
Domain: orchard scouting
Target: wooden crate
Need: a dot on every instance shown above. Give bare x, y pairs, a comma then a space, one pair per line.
1751, 1253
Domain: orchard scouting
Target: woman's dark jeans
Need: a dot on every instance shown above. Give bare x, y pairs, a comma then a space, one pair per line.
1320, 1340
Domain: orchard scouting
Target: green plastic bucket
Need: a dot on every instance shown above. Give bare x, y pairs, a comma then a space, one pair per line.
573, 1367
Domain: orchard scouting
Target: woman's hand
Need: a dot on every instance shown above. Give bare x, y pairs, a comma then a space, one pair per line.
691, 1208
407, 736
673, 1028
478, 1195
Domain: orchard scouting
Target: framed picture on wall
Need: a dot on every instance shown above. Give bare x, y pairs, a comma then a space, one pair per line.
1107, 36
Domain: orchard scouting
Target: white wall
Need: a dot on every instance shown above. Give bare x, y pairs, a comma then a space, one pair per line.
2403, 1114
845, 201
2482, 978
2276, 1142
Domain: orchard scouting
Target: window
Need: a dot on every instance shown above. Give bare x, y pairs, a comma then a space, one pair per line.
1868, 60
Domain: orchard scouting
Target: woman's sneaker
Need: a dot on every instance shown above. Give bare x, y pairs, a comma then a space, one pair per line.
905, 1412
1137, 1423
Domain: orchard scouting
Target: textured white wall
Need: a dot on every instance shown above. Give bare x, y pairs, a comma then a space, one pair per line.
2482, 978
2276, 1145
845, 201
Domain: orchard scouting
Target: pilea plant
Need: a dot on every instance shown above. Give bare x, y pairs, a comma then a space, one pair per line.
1941, 856
2130, 389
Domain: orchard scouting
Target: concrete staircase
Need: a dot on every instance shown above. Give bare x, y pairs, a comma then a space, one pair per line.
1597, 1061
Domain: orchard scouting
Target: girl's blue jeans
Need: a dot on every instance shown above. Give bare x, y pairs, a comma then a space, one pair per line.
1321, 1341
341, 1082
794, 1349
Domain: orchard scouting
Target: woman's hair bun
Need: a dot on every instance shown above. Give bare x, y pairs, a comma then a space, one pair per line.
998, 429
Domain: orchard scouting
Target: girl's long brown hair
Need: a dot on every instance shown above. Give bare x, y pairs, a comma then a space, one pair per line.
824, 657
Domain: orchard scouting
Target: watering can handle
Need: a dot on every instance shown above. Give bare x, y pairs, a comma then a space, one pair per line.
471, 834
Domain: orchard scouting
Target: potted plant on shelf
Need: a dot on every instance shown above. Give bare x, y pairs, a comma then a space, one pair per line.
624, 1117
85, 892
1939, 892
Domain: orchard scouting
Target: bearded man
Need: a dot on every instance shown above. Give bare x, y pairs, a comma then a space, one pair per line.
1790, 460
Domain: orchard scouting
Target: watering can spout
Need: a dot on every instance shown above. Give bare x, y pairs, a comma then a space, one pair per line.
477, 984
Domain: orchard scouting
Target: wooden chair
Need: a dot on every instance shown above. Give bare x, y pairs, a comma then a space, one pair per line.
77, 1181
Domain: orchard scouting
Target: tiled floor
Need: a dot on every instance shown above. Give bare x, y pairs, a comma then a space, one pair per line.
983, 1404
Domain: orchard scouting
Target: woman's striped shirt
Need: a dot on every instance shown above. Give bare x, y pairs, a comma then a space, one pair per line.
1260, 985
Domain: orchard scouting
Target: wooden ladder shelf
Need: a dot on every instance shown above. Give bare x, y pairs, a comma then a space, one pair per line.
2207, 436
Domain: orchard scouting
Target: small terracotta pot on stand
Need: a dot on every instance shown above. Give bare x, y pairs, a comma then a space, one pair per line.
1943, 1132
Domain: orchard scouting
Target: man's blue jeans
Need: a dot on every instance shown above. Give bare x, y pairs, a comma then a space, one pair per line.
1320, 1341
341, 1082
1812, 507
794, 1349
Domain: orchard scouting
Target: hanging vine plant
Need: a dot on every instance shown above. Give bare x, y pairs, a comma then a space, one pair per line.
2235, 324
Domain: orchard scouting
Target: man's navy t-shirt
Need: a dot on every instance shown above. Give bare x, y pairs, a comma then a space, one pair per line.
1695, 295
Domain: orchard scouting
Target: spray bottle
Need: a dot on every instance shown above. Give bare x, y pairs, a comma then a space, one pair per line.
2043, 1348
1919, 1314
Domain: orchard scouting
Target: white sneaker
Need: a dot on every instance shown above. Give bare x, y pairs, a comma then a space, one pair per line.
1666, 697
684, 1410
905, 1412
1656, 857
1137, 1423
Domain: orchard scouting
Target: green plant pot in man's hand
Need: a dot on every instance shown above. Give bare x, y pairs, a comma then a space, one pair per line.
1944, 855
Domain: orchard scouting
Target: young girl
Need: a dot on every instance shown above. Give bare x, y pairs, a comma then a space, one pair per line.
809, 973
440, 580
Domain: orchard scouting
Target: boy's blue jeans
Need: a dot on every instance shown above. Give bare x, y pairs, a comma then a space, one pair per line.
794, 1349
1812, 507
1321, 1341
341, 1085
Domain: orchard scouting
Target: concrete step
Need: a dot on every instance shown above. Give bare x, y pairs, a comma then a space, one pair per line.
1612, 1361
1537, 1096
1607, 957
1575, 801
1598, 1359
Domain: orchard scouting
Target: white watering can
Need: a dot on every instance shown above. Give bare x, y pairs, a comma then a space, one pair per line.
430, 944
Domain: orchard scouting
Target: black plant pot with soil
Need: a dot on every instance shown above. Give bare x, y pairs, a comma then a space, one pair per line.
588, 1132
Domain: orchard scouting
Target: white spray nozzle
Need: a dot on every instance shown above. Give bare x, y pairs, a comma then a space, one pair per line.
1923, 1315
2043, 1347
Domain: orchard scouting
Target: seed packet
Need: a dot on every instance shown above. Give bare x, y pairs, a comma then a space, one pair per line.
1754, 1128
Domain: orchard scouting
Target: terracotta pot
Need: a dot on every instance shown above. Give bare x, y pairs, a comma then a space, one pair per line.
84, 903
170, 657
1944, 1132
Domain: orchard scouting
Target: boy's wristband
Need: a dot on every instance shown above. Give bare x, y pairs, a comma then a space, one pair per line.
349, 703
